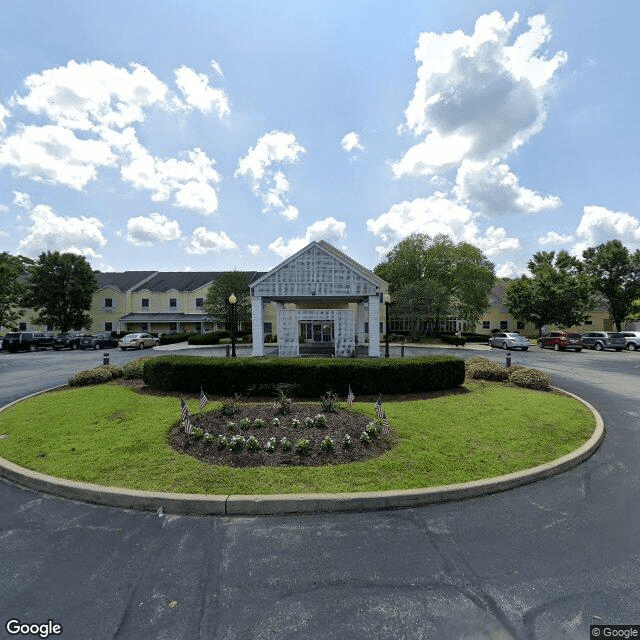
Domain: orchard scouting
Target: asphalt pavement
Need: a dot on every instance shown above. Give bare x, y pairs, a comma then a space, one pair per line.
545, 560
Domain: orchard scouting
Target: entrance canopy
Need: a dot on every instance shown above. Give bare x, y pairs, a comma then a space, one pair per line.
319, 284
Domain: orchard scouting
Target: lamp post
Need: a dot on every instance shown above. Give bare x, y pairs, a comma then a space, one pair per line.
387, 300
232, 302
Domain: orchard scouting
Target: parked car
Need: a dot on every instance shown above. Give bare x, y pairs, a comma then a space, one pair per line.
633, 339
560, 340
601, 340
98, 341
68, 340
27, 341
505, 340
137, 341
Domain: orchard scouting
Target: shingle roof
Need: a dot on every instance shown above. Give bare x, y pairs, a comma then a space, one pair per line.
122, 281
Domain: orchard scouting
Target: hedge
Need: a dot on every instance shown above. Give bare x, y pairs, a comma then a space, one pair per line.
173, 338
306, 377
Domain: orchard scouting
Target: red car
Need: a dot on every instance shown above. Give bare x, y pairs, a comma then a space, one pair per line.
560, 341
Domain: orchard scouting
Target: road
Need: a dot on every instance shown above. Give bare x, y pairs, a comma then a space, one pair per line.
542, 561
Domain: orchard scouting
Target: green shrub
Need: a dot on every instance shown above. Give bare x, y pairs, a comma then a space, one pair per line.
173, 338
448, 338
306, 377
529, 378
100, 374
133, 369
483, 369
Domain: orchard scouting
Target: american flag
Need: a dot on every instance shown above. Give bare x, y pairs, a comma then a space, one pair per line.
350, 397
185, 416
203, 399
381, 414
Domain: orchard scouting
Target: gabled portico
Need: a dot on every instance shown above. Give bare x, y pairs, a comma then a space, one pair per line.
322, 294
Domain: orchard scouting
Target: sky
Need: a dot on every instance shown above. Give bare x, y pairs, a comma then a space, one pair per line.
214, 135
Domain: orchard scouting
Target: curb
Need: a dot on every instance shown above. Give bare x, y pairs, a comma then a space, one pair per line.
253, 505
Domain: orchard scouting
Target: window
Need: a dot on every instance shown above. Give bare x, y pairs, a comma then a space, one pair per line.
108, 303
503, 325
588, 321
486, 324
23, 326
108, 326
173, 303
145, 303
366, 327
144, 326
199, 303
268, 327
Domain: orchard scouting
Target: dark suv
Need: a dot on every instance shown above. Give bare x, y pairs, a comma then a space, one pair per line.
69, 340
26, 341
601, 340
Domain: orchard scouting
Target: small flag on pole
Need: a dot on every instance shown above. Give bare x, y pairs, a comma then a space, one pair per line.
350, 397
203, 399
185, 416
380, 412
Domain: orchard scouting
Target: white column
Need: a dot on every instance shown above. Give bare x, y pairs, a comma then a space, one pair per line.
374, 326
257, 326
360, 323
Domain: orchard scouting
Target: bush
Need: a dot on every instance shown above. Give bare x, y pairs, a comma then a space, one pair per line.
484, 369
100, 374
173, 338
204, 338
306, 377
448, 338
529, 378
133, 369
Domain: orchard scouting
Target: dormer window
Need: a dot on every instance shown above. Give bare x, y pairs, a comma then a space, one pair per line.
145, 303
173, 303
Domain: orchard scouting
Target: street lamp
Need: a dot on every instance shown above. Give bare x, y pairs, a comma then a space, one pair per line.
232, 302
387, 300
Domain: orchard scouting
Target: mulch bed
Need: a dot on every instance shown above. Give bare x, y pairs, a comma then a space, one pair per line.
339, 423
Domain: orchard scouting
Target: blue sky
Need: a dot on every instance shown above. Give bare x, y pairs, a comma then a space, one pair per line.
217, 135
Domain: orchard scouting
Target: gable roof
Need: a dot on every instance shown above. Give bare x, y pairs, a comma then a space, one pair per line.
122, 281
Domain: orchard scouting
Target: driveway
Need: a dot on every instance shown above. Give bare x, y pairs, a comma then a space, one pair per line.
542, 561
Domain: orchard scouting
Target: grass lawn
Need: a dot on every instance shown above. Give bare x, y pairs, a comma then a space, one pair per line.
108, 434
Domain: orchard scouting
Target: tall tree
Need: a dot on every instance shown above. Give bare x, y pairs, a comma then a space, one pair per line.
216, 302
13, 270
615, 274
435, 278
558, 292
60, 288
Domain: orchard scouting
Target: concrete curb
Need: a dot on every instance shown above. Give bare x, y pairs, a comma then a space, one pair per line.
237, 505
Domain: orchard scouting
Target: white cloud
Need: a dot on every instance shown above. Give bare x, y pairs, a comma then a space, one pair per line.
22, 200
198, 94
51, 232
477, 96
91, 95
510, 270
54, 154
495, 190
149, 230
435, 215
329, 229
254, 249
261, 167
599, 224
204, 241
4, 114
555, 239
189, 181
351, 141
217, 68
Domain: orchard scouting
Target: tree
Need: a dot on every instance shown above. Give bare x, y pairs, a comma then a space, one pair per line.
615, 274
434, 278
13, 270
558, 292
216, 303
60, 288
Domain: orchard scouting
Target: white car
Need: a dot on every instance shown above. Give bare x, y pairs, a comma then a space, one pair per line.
504, 340
137, 341
633, 339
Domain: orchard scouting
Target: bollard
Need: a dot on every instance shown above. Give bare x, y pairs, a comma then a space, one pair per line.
105, 357
402, 350
508, 360
227, 350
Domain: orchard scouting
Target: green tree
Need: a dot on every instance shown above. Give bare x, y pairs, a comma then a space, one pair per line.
216, 303
558, 292
615, 275
435, 278
13, 270
60, 287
